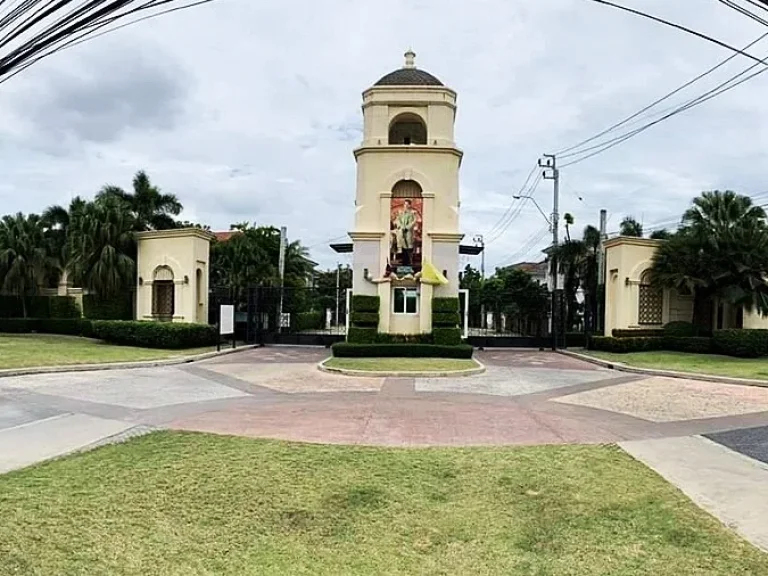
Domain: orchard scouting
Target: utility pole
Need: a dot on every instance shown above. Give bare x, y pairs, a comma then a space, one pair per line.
338, 287
600, 325
281, 270
478, 239
549, 163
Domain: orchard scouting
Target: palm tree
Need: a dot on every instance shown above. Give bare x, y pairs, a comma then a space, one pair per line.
23, 258
662, 234
631, 227
56, 221
720, 251
102, 246
152, 209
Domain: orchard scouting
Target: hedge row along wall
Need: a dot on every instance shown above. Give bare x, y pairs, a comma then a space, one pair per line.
446, 321
94, 308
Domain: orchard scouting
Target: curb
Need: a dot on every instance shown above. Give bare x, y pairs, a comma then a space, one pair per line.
384, 374
8, 372
618, 366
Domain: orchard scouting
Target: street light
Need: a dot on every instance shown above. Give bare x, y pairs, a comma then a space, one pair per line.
532, 199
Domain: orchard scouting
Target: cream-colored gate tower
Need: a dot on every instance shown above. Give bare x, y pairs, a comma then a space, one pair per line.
406, 231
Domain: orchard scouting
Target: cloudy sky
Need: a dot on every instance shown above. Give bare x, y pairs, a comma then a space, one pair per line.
249, 111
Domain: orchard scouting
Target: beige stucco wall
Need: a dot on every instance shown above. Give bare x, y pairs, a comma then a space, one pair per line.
185, 251
755, 320
435, 166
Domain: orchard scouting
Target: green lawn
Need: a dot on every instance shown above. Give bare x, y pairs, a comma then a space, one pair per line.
188, 504
402, 364
755, 368
27, 350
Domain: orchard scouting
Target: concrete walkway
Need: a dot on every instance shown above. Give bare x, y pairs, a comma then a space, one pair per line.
525, 397
730, 486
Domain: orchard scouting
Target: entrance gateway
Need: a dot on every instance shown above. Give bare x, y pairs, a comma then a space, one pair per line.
405, 236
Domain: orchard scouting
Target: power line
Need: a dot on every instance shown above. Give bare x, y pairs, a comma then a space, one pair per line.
731, 4
516, 213
660, 100
681, 27
31, 30
511, 204
719, 89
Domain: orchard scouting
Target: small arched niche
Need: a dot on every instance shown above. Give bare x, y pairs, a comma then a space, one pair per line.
163, 294
407, 129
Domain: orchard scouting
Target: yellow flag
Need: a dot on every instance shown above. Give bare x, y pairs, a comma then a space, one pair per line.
431, 275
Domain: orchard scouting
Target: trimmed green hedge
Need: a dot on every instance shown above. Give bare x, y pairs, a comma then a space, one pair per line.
155, 334
69, 326
445, 305
365, 319
118, 308
694, 345
362, 335
624, 345
64, 307
351, 350
681, 330
446, 319
741, 343
446, 336
639, 333
363, 303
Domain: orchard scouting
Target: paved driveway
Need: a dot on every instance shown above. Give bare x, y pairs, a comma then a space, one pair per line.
525, 397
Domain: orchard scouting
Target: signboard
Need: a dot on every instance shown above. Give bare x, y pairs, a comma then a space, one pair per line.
226, 319
285, 320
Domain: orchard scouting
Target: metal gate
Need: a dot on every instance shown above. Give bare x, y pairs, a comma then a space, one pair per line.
301, 316
505, 322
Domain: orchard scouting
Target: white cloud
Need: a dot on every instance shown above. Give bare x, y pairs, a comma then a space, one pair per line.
250, 111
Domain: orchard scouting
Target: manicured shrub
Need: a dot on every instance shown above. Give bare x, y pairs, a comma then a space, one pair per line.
69, 326
10, 307
681, 330
117, 308
446, 336
362, 335
624, 345
694, 345
39, 307
365, 319
155, 334
638, 333
64, 307
445, 305
404, 338
19, 325
446, 319
741, 343
364, 303
350, 350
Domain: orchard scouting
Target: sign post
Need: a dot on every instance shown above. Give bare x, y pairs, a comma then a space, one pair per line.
226, 323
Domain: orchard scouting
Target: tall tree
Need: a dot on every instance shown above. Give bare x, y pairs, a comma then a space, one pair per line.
23, 258
102, 246
152, 210
662, 234
631, 227
720, 251
56, 221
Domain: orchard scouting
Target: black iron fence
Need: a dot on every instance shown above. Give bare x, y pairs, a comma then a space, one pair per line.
290, 315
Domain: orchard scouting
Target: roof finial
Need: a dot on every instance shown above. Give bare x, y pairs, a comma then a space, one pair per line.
410, 57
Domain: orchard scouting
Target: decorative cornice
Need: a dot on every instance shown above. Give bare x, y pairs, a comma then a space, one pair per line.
445, 236
632, 241
175, 233
366, 235
408, 149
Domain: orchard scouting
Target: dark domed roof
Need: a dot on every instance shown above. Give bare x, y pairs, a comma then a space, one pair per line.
409, 75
